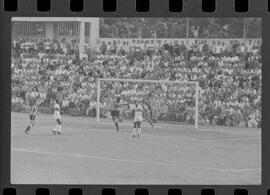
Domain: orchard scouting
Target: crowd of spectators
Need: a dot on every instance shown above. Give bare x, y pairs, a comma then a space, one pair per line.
44, 46
180, 27
229, 77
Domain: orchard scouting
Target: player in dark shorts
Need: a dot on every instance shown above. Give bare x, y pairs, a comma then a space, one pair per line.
147, 113
32, 117
115, 113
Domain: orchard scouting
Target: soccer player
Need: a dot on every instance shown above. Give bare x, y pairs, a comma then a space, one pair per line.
115, 112
252, 122
147, 113
57, 117
138, 116
32, 117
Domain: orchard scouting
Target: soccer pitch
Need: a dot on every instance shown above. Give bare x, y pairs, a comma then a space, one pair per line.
91, 153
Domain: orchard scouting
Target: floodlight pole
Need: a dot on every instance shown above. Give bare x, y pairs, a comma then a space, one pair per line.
98, 99
196, 105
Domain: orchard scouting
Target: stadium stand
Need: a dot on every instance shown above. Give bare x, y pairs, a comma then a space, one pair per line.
229, 75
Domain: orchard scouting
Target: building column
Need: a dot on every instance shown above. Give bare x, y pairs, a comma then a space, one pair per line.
49, 30
89, 36
13, 31
82, 38
93, 32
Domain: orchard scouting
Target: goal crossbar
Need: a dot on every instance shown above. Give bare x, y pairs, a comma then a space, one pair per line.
196, 83
147, 81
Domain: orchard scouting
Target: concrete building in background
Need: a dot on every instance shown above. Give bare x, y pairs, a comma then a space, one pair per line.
84, 30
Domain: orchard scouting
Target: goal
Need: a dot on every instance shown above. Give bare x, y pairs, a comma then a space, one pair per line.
168, 101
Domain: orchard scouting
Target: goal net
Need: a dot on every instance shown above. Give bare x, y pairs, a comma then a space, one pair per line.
166, 101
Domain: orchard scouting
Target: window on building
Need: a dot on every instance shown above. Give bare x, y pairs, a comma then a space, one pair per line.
87, 28
29, 29
68, 28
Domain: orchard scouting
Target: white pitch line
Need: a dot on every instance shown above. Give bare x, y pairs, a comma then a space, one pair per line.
134, 161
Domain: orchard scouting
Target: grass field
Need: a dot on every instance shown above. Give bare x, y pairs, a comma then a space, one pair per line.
91, 153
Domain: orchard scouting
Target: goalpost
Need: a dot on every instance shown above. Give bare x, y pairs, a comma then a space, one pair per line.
195, 84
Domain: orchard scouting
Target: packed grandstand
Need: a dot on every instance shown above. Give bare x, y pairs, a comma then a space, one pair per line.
228, 72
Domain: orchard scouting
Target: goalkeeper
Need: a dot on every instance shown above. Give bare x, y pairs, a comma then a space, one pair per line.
115, 112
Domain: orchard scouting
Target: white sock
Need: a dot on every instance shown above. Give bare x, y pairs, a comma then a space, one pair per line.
139, 131
134, 131
60, 128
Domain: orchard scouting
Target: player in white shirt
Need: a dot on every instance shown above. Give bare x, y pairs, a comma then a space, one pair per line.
138, 116
57, 117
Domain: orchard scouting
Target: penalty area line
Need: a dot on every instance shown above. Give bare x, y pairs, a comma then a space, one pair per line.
133, 161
